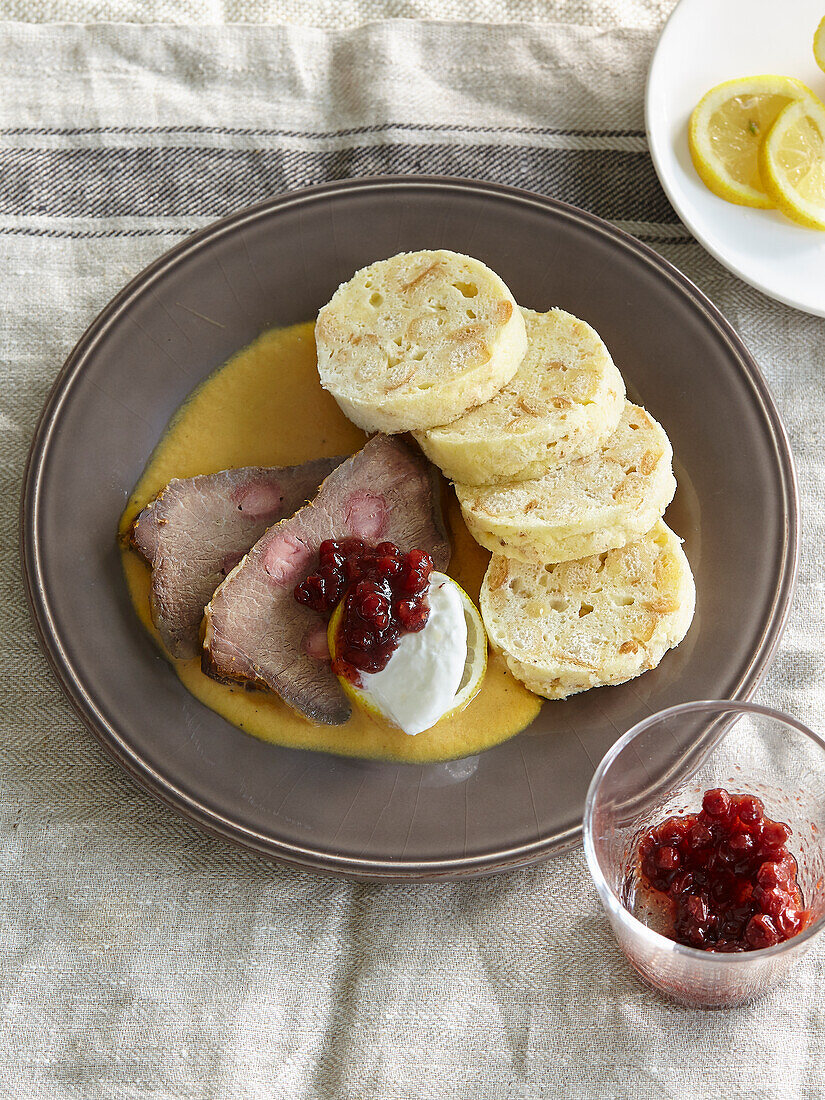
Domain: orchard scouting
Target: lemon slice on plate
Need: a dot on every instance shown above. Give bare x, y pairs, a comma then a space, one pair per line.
476, 663
792, 162
414, 687
819, 45
727, 127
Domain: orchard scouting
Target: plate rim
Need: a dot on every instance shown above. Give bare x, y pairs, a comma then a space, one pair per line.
182, 802
654, 145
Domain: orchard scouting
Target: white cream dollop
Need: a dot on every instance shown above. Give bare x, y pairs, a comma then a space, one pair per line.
421, 679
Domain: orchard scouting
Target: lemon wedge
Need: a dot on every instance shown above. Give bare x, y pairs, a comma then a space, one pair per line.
792, 162
819, 45
423, 662
727, 127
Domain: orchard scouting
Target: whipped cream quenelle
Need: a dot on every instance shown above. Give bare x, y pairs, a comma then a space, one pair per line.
421, 679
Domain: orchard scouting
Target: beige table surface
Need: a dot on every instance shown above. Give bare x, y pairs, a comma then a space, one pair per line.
141, 959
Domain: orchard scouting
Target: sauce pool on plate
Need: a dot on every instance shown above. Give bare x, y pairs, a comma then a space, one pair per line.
265, 407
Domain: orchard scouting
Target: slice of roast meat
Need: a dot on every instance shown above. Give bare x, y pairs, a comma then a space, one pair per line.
257, 632
198, 529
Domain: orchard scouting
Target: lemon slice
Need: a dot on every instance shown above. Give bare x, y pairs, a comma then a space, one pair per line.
792, 163
819, 45
727, 127
475, 664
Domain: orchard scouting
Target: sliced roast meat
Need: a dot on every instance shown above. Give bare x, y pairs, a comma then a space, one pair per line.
199, 528
257, 632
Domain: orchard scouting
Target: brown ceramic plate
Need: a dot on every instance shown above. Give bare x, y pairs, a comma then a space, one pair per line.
277, 264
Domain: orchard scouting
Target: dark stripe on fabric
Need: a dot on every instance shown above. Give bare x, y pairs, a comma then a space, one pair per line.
92, 234
197, 182
354, 131
97, 234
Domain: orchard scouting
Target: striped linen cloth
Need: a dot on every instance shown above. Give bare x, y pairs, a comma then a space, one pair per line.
143, 959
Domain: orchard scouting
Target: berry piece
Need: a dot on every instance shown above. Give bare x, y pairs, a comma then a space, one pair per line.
667, 858
750, 810
699, 836
740, 844
761, 932
716, 803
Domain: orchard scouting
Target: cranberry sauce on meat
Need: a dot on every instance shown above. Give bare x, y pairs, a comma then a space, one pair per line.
385, 595
728, 873
257, 632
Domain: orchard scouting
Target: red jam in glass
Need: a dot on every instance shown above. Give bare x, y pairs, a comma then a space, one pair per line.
730, 878
385, 595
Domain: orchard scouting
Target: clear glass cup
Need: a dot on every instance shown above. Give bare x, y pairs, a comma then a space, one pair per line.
662, 767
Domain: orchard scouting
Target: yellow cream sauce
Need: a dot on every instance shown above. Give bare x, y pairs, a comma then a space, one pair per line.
265, 407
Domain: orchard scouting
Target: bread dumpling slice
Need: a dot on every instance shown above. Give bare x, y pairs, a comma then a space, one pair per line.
580, 507
418, 339
575, 625
563, 402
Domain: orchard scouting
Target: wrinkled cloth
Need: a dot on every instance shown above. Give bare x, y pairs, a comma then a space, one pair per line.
341, 13
144, 959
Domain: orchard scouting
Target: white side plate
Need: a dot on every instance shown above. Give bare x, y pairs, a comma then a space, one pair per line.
704, 43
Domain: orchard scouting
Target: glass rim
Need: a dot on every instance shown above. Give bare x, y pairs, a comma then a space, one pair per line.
608, 896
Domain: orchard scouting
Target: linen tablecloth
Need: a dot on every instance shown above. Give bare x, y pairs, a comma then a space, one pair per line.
341, 13
141, 958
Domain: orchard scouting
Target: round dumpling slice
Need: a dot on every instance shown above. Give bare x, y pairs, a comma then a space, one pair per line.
567, 627
418, 339
563, 402
580, 507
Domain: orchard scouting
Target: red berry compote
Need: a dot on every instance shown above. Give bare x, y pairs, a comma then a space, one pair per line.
385, 595
727, 873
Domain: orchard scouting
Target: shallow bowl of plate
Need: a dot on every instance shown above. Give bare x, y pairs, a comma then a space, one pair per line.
276, 264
